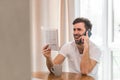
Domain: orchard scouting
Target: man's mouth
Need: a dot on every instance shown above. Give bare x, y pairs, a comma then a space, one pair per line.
77, 37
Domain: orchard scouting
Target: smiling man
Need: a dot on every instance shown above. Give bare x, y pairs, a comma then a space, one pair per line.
83, 55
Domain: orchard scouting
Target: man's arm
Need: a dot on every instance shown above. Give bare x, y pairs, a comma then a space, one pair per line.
87, 64
47, 53
59, 59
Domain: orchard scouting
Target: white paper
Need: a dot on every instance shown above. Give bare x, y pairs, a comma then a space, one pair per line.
51, 37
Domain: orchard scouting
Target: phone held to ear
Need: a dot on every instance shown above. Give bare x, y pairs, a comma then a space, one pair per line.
89, 34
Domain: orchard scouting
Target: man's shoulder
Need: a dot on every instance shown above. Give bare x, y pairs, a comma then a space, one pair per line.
93, 46
66, 48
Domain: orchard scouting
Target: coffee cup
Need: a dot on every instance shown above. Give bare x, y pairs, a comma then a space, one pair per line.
57, 70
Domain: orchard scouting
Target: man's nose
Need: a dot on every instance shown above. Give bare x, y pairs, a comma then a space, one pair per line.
76, 32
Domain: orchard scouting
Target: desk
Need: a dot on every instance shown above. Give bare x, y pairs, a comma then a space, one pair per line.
64, 76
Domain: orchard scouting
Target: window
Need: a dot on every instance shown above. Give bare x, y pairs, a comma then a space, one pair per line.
114, 37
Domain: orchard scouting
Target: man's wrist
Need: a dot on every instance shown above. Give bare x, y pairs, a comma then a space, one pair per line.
48, 58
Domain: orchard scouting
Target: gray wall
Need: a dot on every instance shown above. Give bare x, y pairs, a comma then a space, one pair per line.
15, 40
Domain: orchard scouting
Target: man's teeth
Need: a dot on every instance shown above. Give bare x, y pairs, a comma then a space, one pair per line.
76, 36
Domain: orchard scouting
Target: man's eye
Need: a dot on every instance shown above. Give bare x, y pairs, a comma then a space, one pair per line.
78, 29
74, 29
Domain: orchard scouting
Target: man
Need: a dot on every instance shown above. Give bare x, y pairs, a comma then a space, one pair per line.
83, 55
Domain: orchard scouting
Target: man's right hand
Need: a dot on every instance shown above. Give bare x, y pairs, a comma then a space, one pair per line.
46, 51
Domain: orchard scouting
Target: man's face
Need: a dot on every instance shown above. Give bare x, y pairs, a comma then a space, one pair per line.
78, 31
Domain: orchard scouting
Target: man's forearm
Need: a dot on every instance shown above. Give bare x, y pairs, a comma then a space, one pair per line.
49, 63
85, 64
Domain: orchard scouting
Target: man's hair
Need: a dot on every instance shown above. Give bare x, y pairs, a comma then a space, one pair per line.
87, 23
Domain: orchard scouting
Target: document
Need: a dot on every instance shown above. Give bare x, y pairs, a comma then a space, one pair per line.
52, 38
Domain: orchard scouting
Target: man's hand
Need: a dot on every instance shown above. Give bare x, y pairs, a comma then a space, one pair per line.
85, 39
46, 51
85, 64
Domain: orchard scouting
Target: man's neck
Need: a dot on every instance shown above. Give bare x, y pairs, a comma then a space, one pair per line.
80, 48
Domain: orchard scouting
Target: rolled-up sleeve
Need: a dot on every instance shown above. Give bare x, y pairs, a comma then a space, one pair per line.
95, 54
64, 50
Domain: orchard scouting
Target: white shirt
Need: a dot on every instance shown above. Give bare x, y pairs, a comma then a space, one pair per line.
70, 51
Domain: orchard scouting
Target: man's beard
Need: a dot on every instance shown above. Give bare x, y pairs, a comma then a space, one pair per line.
78, 41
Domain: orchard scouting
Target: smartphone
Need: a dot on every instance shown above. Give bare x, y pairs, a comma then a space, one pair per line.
89, 34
